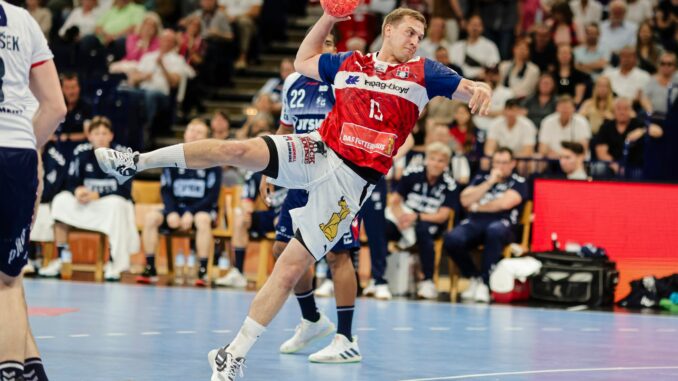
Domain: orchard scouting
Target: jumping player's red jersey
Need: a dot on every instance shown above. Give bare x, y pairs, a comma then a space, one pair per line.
378, 103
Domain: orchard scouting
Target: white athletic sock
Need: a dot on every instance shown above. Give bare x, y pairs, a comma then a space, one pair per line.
172, 156
248, 335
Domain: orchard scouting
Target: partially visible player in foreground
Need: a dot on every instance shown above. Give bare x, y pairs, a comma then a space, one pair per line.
378, 100
25, 66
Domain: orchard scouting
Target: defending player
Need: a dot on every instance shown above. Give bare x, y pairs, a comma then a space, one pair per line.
379, 98
25, 66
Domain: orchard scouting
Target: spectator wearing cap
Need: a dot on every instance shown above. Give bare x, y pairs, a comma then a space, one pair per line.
572, 161
628, 81
476, 52
563, 125
513, 131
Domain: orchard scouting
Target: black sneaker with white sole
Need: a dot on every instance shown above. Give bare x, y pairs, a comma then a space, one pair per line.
224, 365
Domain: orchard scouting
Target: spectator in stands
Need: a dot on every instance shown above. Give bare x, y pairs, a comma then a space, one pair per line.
598, 108
443, 56
591, 57
356, 43
569, 80
435, 38
54, 171
513, 131
192, 49
95, 201
655, 99
158, 73
500, 94
501, 19
476, 52
469, 140
217, 34
243, 14
563, 125
665, 22
72, 129
252, 219
520, 75
420, 208
628, 81
543, 103
616, 32
115, 25
145, 38
450, 11
586, 12
572, 161
221, 129
41, 14
542, 49
638, 11
563, 28
190, 199
274, 85
492, 201
647, 49
81, 21
624, 130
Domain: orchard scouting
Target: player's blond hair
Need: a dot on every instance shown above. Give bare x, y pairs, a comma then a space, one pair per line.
397, 15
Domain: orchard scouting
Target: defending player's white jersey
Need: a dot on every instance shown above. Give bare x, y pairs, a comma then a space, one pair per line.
22, 46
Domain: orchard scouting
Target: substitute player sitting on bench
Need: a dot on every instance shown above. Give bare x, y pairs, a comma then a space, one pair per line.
420, 207
190, 197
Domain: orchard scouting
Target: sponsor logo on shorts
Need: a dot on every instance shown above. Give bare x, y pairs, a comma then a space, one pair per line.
311, 148
291, 152
331, 228
19, 247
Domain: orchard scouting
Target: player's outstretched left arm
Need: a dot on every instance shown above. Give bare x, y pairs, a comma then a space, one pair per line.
308, 55
478, 95
44, 84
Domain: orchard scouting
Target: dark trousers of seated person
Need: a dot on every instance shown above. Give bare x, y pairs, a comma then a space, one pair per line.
426, 233
493, 234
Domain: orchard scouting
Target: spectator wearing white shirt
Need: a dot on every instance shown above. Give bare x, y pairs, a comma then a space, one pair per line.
563, 125
520, 75
628, 81
512, 130
435, 38
243, 13
616, 32
591, 57
81, 21
586, 12
475, 53
638, 11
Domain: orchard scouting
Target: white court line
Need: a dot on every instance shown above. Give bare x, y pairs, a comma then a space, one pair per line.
44, 337
221, 330
476, 328
546, 371
366, 329
513, 328
150, 333
628, 329
80, 335
666, 330
551, 329
185, 332
439, 328
590, 329
116, 334
402, 328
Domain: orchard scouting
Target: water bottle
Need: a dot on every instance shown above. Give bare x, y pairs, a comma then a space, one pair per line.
179, 264
191, 268
224, 263
66, 264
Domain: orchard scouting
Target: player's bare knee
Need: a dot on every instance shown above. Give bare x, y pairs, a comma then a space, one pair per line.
203, 221
336, 260
232, 150
152, 220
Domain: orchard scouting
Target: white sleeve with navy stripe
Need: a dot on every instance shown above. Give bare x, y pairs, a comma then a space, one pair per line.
440, 80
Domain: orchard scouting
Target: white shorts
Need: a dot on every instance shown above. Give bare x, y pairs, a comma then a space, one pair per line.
336, 192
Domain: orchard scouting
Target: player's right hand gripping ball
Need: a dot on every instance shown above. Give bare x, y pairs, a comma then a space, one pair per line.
339, 8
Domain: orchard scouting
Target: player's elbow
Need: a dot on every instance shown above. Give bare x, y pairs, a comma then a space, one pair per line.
299, 64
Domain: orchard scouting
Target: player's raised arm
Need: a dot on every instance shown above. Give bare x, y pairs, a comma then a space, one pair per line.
308, 55
44, 84
478, 95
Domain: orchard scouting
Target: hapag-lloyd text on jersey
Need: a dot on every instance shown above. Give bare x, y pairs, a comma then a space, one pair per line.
386, 85
9, 42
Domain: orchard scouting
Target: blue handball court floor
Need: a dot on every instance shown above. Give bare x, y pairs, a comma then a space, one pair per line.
117, 332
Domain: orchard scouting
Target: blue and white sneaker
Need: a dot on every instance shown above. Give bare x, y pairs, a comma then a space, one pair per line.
121, 165
339, 351
224, 365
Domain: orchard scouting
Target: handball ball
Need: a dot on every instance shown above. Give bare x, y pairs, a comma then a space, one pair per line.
339, 8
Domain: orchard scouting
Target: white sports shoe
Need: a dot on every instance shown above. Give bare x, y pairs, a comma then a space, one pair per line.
427, 290
326, 289
233, 279
339, 351
121, 165
52, 269
111, 275
224, 366
470, 292
482, 294
307, 332
371, 288
382, 292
